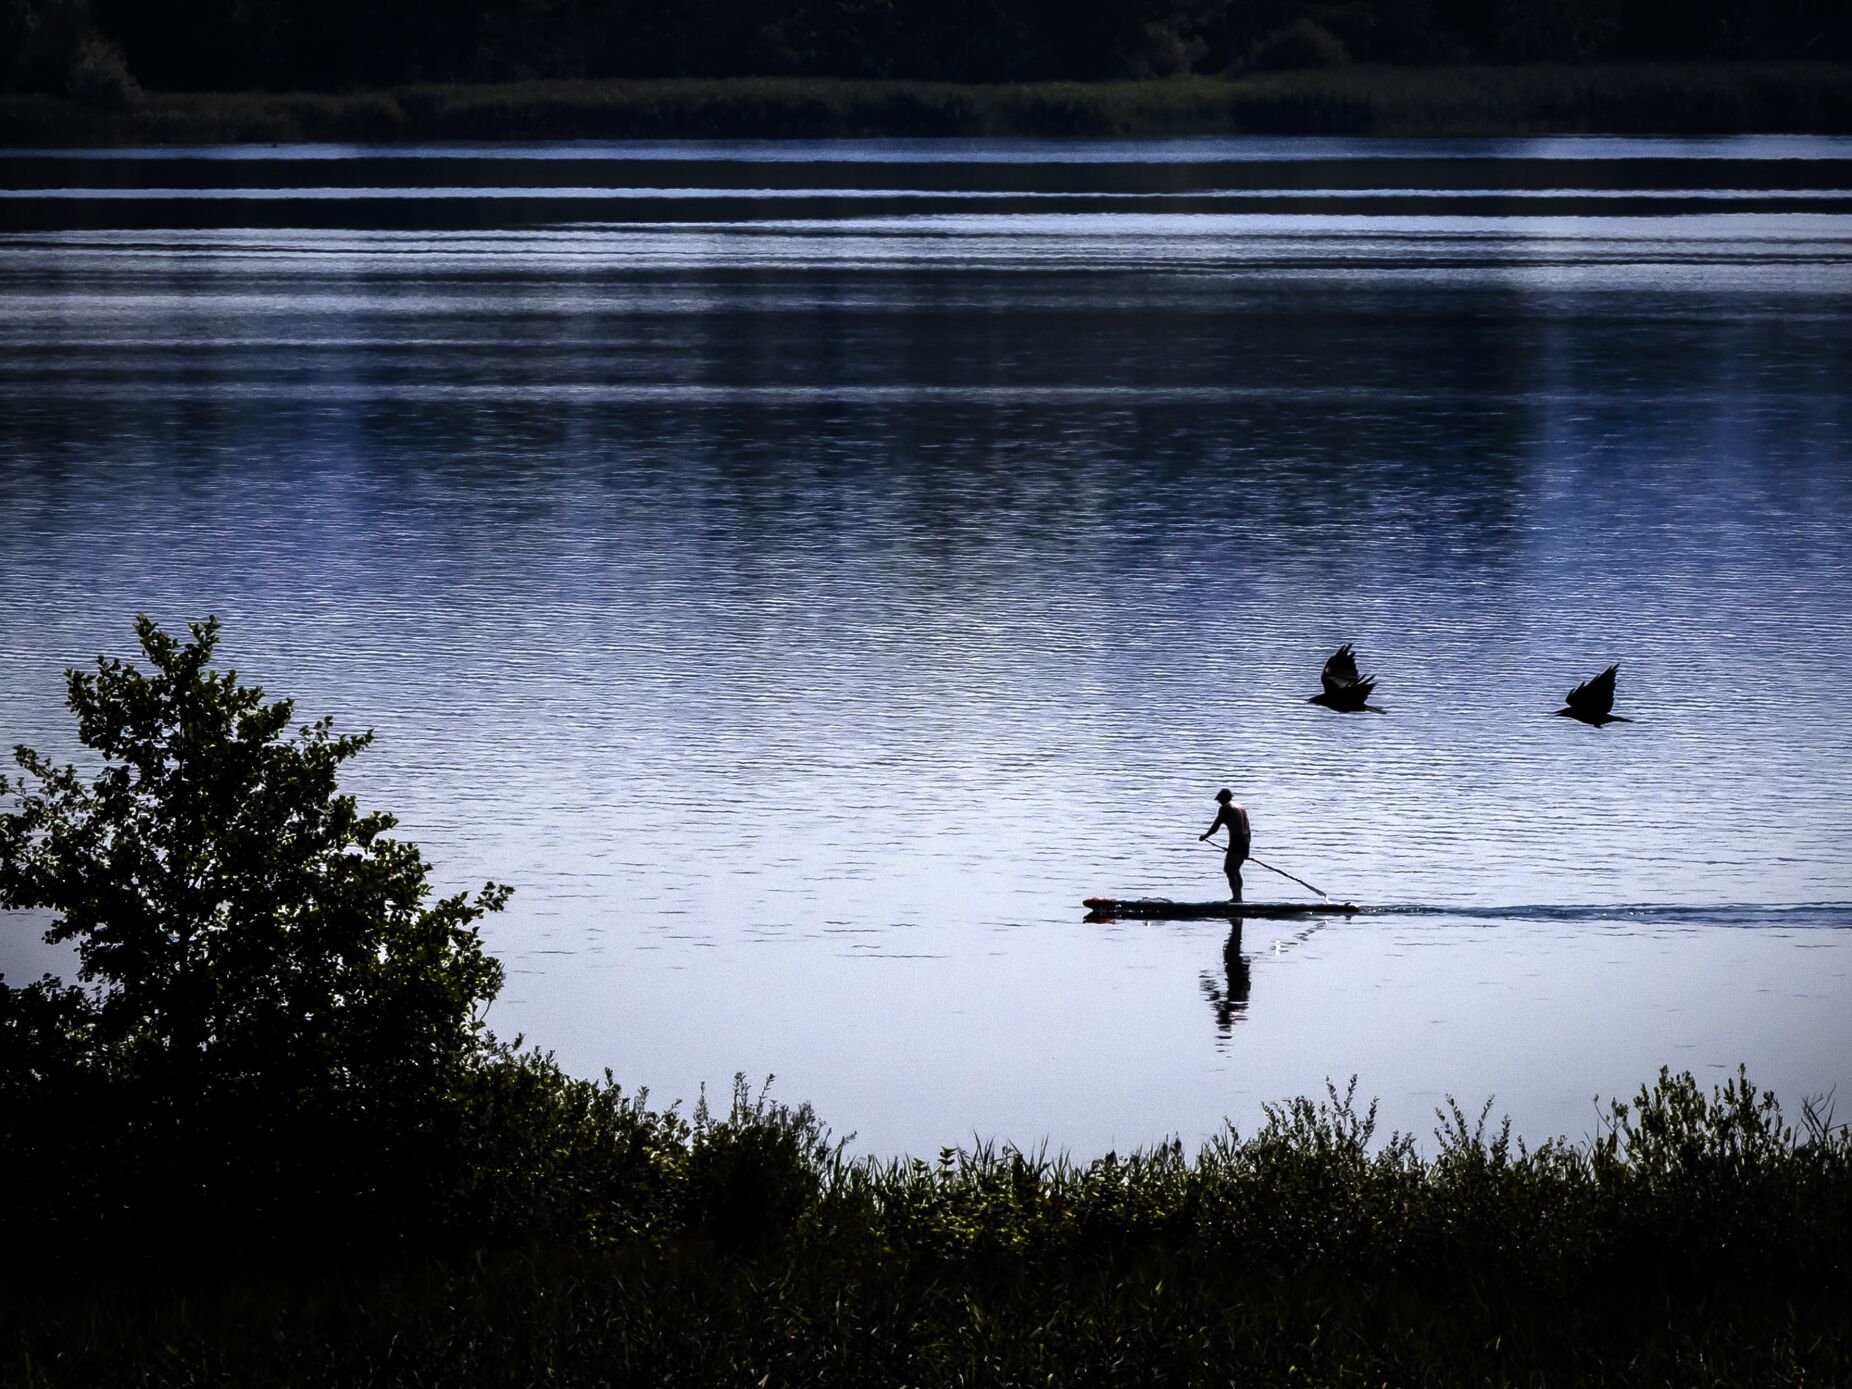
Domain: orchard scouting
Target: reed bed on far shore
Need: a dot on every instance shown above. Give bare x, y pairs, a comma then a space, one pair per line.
1652, 98
1699, 1241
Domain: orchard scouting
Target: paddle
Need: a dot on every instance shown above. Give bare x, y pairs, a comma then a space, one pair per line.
1284, 874
1271, 869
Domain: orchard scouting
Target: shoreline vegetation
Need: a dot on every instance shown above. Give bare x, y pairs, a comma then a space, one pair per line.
1296, 1256
1698, 1241
267, 1140
1653, 98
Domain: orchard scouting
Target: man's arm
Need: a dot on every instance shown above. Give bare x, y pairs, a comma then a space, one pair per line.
1213, 828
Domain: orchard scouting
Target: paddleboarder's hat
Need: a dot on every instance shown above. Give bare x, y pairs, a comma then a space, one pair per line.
1224, 795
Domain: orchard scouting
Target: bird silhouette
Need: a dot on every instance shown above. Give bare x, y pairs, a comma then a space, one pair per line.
1345, 690
1592, 700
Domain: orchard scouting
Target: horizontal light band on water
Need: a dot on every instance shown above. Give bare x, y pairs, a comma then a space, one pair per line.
1198, 149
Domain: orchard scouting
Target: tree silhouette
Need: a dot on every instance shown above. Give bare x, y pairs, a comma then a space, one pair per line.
275, 1014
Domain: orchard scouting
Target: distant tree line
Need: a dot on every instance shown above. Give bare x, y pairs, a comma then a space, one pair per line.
99, 50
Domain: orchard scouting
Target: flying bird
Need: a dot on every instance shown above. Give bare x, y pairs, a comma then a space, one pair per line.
1592, 700
1345, 690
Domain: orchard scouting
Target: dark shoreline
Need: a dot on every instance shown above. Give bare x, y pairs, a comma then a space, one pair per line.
1638, 99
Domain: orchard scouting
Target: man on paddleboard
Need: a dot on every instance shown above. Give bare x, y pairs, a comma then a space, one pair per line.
1235, 816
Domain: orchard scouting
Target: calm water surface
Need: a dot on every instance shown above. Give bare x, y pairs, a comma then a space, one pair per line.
806, 570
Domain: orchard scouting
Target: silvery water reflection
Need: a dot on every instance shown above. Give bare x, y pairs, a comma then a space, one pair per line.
806, 598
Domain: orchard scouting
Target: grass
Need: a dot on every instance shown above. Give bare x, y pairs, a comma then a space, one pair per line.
1699, 1241
522, 1320
1686, 99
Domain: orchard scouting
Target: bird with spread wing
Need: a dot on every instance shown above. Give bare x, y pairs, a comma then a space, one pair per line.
1345, 690
1592, 702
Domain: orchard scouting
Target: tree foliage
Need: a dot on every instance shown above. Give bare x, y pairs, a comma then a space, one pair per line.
275, 1015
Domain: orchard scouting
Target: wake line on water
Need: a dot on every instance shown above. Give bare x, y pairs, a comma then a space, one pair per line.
1795, 914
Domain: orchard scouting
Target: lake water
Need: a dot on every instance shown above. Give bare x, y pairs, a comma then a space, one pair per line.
805, 571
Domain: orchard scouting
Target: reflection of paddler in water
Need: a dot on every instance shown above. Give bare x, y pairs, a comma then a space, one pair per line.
1235, 817
1229, 999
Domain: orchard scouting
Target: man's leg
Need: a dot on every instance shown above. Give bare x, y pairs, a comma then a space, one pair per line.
1232, 866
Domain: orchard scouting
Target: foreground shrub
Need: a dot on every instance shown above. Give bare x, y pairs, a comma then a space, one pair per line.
751, 1175
277, 1018
545, 1159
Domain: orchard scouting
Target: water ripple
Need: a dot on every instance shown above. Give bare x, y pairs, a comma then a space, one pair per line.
804, 608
